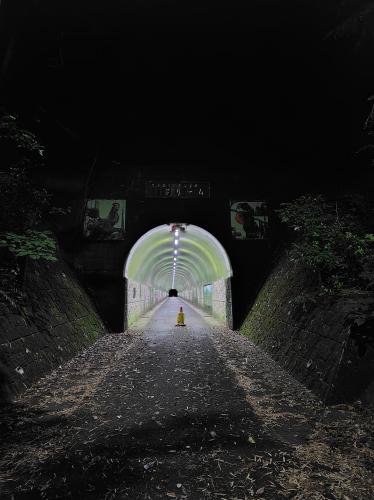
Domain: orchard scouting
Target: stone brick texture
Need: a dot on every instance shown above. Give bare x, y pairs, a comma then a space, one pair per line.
54, 322
140, 299
221, 307
309, 337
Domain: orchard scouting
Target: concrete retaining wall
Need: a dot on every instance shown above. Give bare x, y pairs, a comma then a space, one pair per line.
56, 321
311, 338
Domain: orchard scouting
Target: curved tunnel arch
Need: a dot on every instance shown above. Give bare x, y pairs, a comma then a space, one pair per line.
200, 255
185, 259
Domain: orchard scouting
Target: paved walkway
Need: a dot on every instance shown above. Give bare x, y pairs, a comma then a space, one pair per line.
157, 413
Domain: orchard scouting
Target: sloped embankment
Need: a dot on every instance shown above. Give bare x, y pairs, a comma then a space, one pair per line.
326, 343
56, 321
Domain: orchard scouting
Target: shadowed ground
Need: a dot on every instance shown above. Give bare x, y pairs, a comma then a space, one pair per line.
161, 412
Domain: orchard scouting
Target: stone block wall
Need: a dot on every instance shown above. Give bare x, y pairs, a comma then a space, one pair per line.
140, 298
309, 338
194, 295
55, 321
221, 300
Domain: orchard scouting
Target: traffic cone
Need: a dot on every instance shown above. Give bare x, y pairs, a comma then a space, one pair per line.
180, 318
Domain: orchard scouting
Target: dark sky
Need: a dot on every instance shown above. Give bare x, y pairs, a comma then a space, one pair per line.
192, 81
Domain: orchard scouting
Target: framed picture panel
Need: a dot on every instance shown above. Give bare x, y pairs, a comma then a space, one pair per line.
249, 220
104, 220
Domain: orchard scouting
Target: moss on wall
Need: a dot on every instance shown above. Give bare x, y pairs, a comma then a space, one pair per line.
308, 335
56, 321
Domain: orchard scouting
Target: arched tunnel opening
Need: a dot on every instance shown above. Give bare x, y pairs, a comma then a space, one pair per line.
178, 260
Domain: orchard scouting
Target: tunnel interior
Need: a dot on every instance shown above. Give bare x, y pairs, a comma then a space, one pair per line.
179, 259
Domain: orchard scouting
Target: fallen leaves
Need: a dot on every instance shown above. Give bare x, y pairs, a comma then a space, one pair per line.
180, 424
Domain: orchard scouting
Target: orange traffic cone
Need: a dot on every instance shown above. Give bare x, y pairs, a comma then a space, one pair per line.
180, 318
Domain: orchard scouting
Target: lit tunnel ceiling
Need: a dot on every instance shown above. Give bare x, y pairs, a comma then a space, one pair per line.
169, 257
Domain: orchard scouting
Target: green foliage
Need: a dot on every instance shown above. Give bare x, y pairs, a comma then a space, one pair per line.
33, 244
19, 147
331, 239
23, 204
24, 207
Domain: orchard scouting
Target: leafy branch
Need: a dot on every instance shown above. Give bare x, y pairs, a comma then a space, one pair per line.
33, 244
24, 207
331, 241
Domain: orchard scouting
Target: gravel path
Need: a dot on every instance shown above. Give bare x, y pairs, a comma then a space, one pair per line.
160, 412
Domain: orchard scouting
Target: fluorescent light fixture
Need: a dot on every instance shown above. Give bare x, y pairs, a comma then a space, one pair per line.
175, 259
175, 251
175, 242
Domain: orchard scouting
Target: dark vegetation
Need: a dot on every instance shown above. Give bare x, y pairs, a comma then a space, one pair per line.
25, 207
6, 392
333, 239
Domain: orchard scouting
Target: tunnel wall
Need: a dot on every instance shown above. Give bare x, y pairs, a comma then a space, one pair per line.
221, 306
312, 338
55, 321
140, 298
221, 301
194, 295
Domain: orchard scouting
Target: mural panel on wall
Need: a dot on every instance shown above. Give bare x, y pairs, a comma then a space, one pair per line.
207, 291
249, 220
104, 220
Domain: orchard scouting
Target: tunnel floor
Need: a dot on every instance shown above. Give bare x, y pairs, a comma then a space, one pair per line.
164, 412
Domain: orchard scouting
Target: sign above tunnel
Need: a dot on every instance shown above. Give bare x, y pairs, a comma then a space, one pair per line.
173, 189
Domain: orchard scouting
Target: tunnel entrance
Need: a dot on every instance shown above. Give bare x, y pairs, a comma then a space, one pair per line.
178, 259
